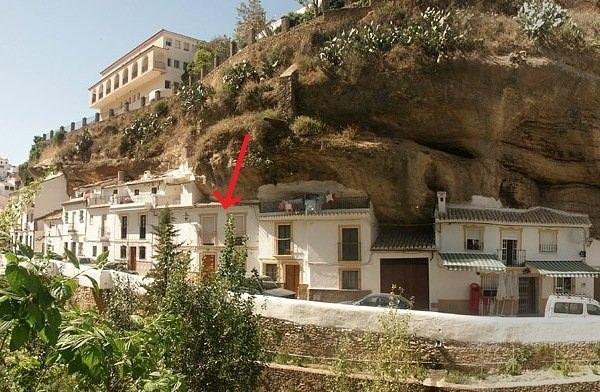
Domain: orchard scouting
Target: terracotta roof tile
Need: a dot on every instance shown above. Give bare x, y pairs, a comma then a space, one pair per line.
394, 238
534, 215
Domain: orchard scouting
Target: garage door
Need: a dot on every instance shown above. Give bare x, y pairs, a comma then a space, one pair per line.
410, 274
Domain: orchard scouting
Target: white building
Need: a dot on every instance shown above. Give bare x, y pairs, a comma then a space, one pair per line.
51, 194
516, 257
8, 181
150, 70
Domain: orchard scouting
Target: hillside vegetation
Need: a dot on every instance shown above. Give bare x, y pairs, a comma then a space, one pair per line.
399, 100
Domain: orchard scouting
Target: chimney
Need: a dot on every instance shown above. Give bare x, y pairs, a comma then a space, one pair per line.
441, 202
120, 177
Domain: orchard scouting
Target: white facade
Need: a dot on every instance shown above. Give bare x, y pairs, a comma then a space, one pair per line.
544, 250
152, 69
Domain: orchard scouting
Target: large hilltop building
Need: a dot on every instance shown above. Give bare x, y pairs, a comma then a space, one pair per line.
151, 70
8, 181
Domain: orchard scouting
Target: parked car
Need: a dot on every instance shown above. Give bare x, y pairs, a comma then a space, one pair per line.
266, 286
382, 300
571, 306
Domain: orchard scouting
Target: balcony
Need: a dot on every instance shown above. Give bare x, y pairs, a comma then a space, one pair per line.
139, 202
512, 257
98, 200
313, 205
118, 84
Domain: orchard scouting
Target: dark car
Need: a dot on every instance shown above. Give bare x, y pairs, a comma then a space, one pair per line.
383, 300
266, 286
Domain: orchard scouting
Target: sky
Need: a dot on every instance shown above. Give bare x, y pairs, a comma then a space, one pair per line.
53, 50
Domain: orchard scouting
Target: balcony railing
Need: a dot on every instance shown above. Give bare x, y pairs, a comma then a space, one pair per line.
98, 200
349, 251
314, 205
548, 248
512, 257
168, 200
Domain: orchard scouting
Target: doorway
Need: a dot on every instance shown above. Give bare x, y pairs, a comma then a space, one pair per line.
292, 277
527, 296
132, 258
509, 252
209, 264
412, 275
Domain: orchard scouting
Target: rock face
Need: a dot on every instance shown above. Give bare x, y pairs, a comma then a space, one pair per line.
528, 136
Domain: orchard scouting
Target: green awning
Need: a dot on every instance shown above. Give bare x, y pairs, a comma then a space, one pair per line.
564, 269
472, 262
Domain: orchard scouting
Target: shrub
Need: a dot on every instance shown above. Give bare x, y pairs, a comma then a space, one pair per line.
161, 109
255, 96
298, 18
83, 145
142, 131
514, 365
59, 136
538, 17
307, 126
194, 98
36, 148
436, 33
235, 78
268, 66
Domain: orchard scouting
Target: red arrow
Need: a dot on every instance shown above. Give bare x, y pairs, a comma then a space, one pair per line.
229, 200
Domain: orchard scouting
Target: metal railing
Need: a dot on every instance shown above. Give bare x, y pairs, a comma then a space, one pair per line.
349, 251
98, 200
314, 205
512, 257
548, 248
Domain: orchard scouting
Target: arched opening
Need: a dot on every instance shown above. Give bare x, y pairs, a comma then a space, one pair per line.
116, 81
144, 64
134, 70
125, 75
108, 86
100, 92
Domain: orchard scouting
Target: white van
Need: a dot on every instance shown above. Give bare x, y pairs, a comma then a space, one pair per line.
571, 306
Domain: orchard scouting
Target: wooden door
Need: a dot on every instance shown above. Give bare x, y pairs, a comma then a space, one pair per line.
132, 258
412, 275
209, 264
292, 277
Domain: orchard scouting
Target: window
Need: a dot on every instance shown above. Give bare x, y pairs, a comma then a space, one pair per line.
73, 247
80, 249
167, 84
66, 217
105, 249
186, 46
349, 249
66, 245
103, 226
271, 271
115, 192
125, 76
168, 42
284, 240
123, 252
136, 192
81, 216
350, 280
548, 241
154, 190
176, 64
134, 71
239, 225
94, 251
177, 44
209, 230
568, 308
123, 227
168, 62
564, 285
142, 227
473, 238
142, 253
489, 285
593, 310
73, 216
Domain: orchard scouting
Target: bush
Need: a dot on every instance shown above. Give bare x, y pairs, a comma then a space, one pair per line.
36, 148
538, 17
59, 136
83, 146
161, 109
307, 126
235, 78
255, 96
194, 98
142, 131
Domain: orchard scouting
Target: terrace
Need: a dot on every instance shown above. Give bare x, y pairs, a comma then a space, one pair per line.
314, 204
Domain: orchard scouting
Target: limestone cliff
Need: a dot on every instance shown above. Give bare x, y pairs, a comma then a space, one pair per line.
527, 133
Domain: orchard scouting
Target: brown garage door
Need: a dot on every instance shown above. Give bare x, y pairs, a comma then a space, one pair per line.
410, 274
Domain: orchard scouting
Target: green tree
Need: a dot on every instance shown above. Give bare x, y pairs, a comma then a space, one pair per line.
203, 60
250, 16
232, 259
168, 252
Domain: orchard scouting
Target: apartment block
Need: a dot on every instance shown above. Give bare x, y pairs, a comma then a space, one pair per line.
151, 70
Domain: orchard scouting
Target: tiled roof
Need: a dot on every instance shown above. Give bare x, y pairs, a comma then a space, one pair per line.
472, 262
534, 215
394, 238
564, 268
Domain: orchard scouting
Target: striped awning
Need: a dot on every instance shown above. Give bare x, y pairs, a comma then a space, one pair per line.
472, 262
564, 269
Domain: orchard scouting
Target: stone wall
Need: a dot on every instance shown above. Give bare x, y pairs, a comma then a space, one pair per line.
321, 342
336, 295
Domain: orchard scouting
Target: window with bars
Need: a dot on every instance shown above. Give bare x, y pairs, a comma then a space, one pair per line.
123, 227
142, 250
350, 279
239, 226
123, 252
94, 251
142, 227
489, 285
548, 241
564, 285
350, 244
271, 271
284, 240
